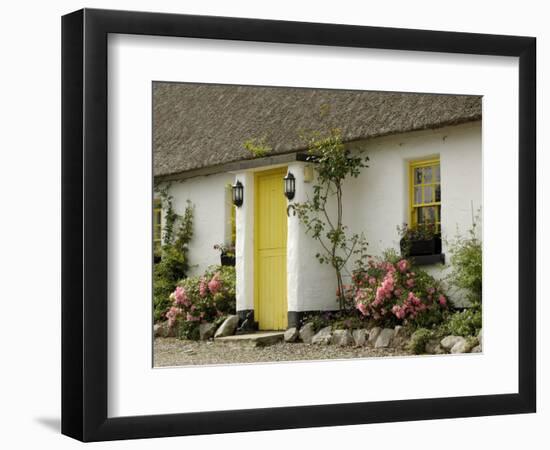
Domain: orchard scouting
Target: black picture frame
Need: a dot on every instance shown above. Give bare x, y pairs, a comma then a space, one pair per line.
84, 224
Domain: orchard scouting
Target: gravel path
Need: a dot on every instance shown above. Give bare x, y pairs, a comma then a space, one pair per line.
176, 352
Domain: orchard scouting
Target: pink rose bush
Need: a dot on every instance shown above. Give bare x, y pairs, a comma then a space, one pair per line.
203, 299
390, 291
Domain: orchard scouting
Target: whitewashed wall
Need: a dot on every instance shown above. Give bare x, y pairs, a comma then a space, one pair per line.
381, 192
375, 203
211, 211
378, 200
244, 246
311, 285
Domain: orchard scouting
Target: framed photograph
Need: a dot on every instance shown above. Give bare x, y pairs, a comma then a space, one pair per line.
273, 224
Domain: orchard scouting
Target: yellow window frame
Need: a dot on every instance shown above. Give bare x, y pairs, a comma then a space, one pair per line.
157, 222
413, 205
231, 220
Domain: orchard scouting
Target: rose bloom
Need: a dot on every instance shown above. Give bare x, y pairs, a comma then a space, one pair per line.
214, 285
180, 296
362, 308
203, 288
403, 265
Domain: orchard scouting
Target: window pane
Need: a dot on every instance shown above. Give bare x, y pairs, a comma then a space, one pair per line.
429, 214
427, 174
417, 176
438, 193
436, 173
420, 215
417, 195
428, 197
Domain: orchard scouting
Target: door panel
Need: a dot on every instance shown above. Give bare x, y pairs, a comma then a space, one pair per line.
270, 250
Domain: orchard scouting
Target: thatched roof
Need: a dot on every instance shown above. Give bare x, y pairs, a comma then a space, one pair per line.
201, 125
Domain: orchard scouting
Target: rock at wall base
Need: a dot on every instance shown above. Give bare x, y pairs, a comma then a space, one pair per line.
323, 337
228, 327
306, 333
342, 338
373, 335
360, 337
385, 338
206, 331
291, 335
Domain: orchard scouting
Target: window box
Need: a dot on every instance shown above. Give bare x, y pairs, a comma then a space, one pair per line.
227, 260
421, 247
428, 260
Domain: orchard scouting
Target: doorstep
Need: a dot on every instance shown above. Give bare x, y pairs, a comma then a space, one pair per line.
257, 339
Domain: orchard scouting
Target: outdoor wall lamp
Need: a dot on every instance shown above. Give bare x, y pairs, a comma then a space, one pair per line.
290, 185
237, 191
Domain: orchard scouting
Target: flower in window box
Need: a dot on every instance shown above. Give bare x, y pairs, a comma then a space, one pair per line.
227, 254
423, 239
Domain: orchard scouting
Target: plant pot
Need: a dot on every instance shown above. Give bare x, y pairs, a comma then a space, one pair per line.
421, 247
227, 260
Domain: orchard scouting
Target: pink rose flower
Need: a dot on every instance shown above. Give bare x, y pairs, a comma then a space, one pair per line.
180, 296
214, 285
442, 300
362, 308
172, 315
398, 311
403, 265
203, 288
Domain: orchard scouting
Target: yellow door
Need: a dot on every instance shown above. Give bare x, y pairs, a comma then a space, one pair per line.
270, 303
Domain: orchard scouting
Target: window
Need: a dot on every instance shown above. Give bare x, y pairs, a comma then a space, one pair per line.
425, 193
157, 223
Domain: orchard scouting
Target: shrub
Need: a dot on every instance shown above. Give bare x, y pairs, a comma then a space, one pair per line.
188, 330
466, 261
173, 264
392, 291
463, 323
200, 299
419, 339
166, 273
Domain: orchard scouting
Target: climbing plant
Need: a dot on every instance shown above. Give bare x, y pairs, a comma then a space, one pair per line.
174, 262
323, 220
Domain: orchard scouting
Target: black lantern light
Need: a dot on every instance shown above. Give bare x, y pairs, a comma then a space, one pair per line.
290, 185
238, 192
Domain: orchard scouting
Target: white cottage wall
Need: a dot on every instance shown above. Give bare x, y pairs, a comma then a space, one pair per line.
311, 285
381, 192
244, 247
208, 194
378, 201
375, 203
